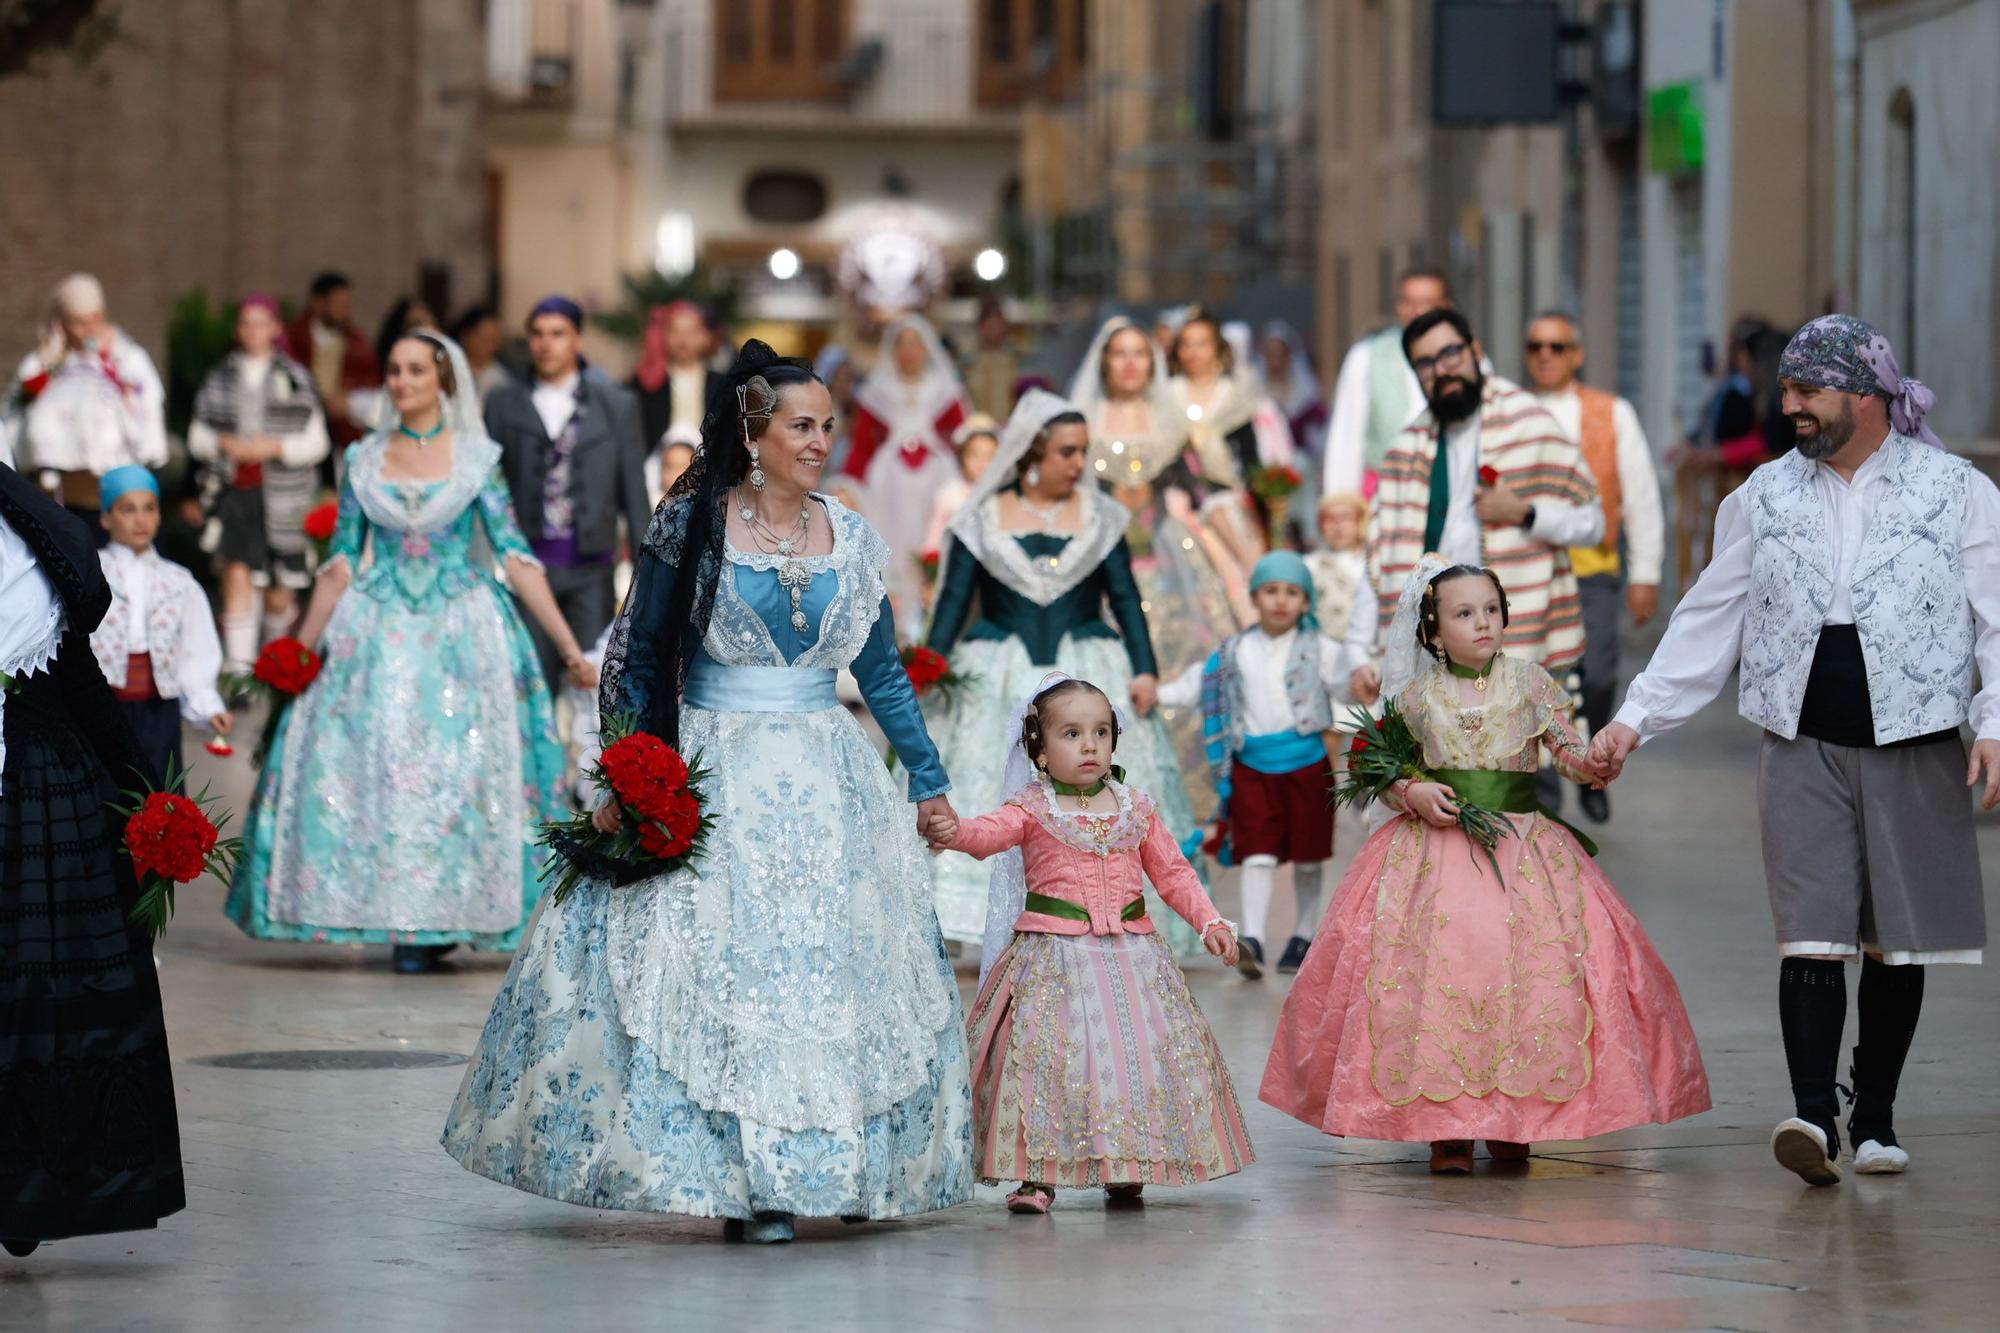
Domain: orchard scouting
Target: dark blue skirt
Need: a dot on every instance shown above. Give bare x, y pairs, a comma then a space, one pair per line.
89, 1141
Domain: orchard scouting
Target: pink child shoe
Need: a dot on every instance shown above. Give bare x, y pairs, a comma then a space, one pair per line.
1031, 1199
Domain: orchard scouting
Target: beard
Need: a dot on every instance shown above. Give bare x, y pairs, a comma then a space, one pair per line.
1453, 398
1818, 439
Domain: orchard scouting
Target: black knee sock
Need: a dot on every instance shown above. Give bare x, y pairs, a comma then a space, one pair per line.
1888, 1003
1812, 1010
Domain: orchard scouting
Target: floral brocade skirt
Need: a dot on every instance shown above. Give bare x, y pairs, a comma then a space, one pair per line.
1437, 1003
405, 789
561, 1100
1092, 1067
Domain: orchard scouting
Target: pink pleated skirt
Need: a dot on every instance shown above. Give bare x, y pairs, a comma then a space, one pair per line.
1438, 1002
1092, 1067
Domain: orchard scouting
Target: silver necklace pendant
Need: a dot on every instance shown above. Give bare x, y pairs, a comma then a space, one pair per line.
1050, 517
794, 576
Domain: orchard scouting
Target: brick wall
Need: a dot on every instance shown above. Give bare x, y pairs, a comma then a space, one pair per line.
243, 145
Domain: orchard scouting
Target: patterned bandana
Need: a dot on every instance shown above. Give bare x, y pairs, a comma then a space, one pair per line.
1849, 355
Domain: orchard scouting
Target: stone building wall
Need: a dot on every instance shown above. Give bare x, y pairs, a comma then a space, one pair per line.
243, 145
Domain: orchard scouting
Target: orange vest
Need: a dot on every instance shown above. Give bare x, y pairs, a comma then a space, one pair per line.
1598, 441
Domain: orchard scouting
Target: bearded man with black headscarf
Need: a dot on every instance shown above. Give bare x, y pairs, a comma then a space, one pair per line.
1856, 581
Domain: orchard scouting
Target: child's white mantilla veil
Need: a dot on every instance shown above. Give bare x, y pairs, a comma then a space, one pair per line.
1403, 657
1007, 886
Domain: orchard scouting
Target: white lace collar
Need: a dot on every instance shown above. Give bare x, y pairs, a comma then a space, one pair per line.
1043, 579
1120, 830
408, 504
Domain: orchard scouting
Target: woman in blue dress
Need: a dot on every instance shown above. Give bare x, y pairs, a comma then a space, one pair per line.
774, 1031
429, 684
1039, 555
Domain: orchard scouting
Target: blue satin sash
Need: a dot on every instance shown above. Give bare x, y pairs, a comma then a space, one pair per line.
715, 688
1282, 751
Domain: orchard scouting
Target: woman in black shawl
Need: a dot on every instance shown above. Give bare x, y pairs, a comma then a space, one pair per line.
89, 1141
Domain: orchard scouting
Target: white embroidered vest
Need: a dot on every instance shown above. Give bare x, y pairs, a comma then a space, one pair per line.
1910, 603
108, 642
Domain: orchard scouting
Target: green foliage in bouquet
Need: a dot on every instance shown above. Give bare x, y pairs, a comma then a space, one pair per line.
1385, 751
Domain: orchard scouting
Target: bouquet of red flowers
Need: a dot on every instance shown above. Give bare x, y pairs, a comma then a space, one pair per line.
1488, 475
320, 523
666, 818
931, 673
928, 562
172, 840
283, 671
1275, 483
1384, 752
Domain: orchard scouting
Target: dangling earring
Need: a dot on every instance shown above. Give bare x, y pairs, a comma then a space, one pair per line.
757, 461
1034, 477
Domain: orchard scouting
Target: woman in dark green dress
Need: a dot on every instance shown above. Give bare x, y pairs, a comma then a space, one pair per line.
1031, 565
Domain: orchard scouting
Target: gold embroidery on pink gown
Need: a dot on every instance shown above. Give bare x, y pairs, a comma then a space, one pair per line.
1450, 1016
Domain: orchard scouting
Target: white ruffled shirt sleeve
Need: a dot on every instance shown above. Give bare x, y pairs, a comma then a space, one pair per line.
199, 662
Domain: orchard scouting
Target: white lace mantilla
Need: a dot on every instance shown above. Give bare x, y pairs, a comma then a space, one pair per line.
788, 977
1042, 579
405, 505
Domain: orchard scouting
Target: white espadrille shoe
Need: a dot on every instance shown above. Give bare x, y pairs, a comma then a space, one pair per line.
1800, 1147
1872, 1158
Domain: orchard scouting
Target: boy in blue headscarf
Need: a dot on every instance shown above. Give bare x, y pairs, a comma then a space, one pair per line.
157, 644
1267, 698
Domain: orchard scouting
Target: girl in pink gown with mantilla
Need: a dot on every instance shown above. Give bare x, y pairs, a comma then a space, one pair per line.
1440, 1005
1092, 1068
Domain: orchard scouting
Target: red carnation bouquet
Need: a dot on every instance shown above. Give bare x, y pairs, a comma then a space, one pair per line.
1275, 486
1278, 482
320, 523
666, 817
1488, 476
928, 562
283, 671
172, 840
931, 673
1383, 752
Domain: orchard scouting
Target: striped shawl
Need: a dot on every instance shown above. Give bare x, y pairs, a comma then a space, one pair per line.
1523, 443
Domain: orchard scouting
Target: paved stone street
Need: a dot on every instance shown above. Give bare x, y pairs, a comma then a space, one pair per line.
320, 1200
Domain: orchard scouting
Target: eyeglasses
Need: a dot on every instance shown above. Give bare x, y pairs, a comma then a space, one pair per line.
1446, 358
1557, 349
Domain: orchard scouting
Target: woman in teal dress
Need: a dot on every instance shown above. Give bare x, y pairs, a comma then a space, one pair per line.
1041, 554
774, 1031
429, 689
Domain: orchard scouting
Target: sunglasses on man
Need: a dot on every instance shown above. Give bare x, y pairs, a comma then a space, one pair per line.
1553, 349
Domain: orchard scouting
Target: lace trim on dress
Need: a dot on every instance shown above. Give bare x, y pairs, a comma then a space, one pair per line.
1043, 579
738, 636
407, 505
1122, 830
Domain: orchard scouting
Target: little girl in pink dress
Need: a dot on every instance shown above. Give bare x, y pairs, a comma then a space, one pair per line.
1091, 1065
1441, 1003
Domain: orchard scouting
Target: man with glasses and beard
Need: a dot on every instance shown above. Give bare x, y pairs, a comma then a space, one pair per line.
1857, 583
1484, 476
